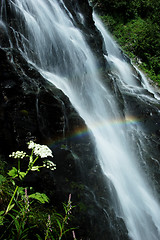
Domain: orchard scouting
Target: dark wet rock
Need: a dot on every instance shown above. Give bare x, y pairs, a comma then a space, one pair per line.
23, 99
4, 41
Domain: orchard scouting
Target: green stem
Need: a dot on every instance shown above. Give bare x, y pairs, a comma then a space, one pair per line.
9, 205
35, 160
46, 236
19, 165
31, 164
19, 168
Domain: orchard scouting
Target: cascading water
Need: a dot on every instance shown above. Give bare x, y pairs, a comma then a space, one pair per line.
118, 63
114, 56
47, 38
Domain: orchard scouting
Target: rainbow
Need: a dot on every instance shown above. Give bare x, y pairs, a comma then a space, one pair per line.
126, 120
83, 131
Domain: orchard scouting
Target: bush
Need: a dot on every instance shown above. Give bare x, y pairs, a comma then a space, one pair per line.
18, 215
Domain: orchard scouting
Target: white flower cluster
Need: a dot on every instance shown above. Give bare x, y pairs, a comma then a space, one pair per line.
40, 150
49, 164
18, 154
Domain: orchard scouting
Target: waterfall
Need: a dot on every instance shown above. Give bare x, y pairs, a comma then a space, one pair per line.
118, 63
49, 39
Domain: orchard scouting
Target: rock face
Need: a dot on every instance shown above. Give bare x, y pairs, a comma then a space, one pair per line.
25, 98
33, 109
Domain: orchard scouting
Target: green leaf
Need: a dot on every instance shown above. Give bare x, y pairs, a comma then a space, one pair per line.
59, 224
16, 223
13, 172
22, 175
2, 179
2, 212
1, 220
13, 182
21, 191
16, 212
68, 230
10, 207
1, 217
41, 197
58, 216
24, 236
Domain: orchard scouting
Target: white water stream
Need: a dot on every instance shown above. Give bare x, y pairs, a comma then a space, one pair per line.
50, 41
119, 65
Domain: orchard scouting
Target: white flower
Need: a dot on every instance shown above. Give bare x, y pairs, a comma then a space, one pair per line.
18, 154
40, 150
31, 145
49, 164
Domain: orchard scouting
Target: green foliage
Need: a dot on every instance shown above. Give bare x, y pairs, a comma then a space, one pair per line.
142, 39
13, 172
56, 224
41, 197
18, 218
127, 10
1, 217
2, 179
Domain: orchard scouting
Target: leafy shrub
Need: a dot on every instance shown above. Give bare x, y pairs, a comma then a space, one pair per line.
18, 216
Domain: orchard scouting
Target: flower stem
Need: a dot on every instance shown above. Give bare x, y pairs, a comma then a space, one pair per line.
31, 163
19, 168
